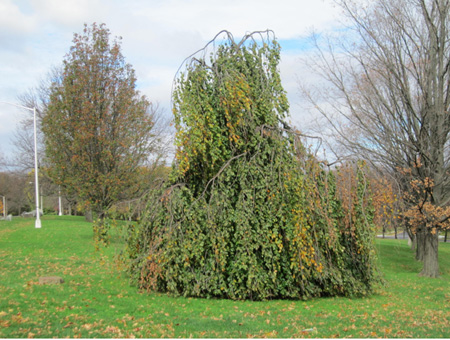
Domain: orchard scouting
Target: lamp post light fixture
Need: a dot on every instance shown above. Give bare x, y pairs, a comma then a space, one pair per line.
38, 217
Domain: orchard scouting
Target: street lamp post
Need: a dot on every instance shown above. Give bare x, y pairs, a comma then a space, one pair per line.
59, 201
38, 217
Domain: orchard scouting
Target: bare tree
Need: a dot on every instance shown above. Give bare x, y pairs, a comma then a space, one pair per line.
390, 86
24, 135
2, 160
13, 185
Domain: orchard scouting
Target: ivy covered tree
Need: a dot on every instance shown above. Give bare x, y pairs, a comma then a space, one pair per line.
248, 213
97, 126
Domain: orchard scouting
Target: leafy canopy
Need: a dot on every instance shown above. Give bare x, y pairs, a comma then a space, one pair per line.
98, 126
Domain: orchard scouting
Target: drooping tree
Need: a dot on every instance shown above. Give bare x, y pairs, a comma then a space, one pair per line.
97, 126
389, 102
247, 213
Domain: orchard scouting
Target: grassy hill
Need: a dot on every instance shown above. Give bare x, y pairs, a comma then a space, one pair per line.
96, 299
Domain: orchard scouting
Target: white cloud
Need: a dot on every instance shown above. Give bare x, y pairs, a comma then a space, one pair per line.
157, 36
68, 12
14, 25
13, 20
285, 17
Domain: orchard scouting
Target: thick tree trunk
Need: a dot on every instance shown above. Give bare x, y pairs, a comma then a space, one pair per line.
420, 245
445, 237
430, 255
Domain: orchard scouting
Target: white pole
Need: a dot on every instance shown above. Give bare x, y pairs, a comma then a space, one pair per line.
36, 177
59, 201
38, 219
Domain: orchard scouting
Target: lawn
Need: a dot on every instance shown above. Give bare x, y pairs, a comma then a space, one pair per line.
96, 299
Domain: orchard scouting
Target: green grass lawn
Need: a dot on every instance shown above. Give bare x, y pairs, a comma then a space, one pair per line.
96, 299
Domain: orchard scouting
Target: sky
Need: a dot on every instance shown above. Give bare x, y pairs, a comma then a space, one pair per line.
157, 35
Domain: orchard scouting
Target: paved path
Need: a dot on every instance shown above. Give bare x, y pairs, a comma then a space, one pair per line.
404, 236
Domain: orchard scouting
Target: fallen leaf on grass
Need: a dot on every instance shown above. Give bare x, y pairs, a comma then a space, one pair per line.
272, 334
32, 283
19, 319
5, 324
350, 327
87, 326
112, 329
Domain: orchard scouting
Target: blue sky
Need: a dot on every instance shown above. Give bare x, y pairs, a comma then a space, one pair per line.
157, 36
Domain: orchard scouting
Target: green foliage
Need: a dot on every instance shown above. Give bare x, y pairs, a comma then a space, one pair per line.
101, 232
97, 127
248, 213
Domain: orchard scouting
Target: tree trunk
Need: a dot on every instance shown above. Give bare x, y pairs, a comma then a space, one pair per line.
88, 215
412, 238
420, 245
445, 237
430, 255
101, 215
414, 243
